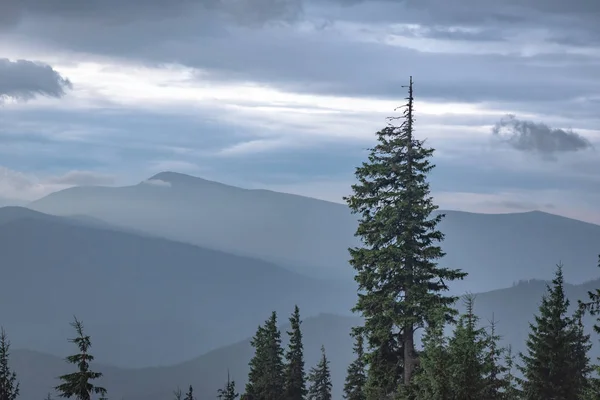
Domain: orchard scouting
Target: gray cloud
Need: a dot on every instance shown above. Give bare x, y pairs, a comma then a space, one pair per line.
82, 178
118, 12
529, 136
23, 80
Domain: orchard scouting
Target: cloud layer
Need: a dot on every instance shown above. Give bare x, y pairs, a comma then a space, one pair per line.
23, 80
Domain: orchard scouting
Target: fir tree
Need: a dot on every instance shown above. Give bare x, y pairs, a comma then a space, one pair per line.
432, 378
354, 386
320, 379
495, 379
295, 385
266, 380
78, 384
512, 391
48, 397
398, 277
556, 364
190, 394
466, 350
228, 392
9, 386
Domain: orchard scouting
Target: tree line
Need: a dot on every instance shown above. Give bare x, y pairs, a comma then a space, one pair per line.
401, 289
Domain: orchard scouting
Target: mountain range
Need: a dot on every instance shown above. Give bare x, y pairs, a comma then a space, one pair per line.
312, 236
173, 275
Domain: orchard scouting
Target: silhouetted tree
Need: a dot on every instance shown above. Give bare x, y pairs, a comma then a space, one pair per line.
354, 386
78, 384
190, 394
320, 379
178, 394
556, 365
9, 386
295, 380
399, 281
228, 392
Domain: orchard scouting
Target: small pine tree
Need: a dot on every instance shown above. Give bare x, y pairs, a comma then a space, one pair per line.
78, 384
295, 380
356, 378
320, 379
512, 391
432, 378
266, 380
228, 392
466, 350
495, 382
9, 386
556, 363
190, 394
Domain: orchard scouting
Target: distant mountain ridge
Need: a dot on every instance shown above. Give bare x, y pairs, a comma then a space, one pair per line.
312, 236
512, 308
147, 289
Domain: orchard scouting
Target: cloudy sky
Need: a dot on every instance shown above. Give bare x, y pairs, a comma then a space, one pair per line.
288, 94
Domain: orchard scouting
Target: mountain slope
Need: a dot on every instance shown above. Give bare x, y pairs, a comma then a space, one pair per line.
512, 307
312, 236
139, 293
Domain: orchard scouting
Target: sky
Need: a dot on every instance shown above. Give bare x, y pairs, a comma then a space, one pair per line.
289, 94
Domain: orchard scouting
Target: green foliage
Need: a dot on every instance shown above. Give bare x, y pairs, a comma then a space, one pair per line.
432, 379
556, 365
398, 277
78, 384
190, 394
228, 392
295, 385
512, 391
266, 379
354, 386
9, 386
466, 351
320, 379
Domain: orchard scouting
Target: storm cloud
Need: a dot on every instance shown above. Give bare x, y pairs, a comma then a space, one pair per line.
537, 137
23, 80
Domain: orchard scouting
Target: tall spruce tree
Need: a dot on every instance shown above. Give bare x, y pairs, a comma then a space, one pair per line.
320, 379
228, 392
295, 379
466, 350
78, 384
398, 277
9, 386
593, 307
354, 386
266, 379
556, 365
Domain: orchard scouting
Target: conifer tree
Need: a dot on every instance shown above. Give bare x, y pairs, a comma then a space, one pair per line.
48, 397
593, 307
466, 350
354, 386
556, 365
190, 394
320, 379
512, 391
78, 384
295, 385
228, 392
432, 378
266, 380
398, 278
495, 373
9, 386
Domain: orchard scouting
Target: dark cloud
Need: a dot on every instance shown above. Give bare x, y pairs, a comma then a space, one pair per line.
118, 12
537, 137
23, 80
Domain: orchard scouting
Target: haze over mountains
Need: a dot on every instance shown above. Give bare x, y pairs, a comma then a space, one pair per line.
312, 236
